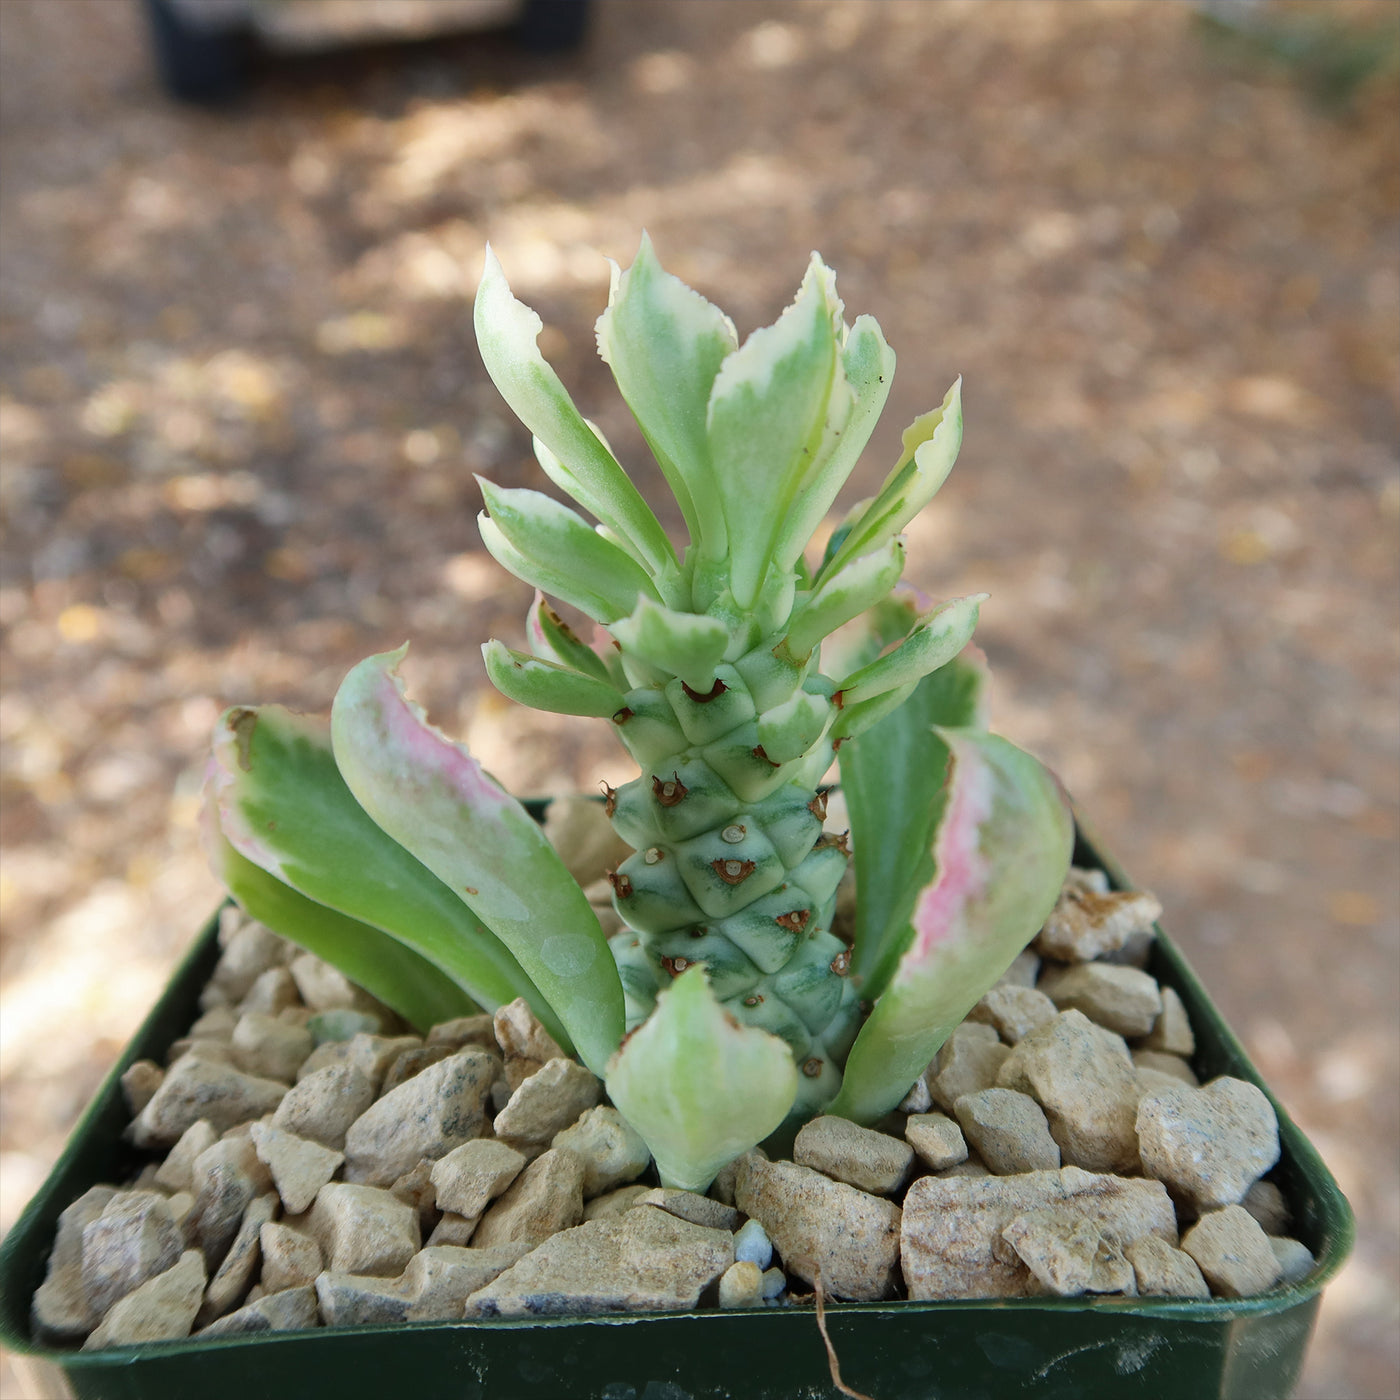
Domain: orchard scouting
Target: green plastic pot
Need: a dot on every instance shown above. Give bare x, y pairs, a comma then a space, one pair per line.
1158, 1349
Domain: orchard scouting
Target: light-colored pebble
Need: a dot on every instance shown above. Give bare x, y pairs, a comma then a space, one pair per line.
699, 1210
952, 1246
370, 1054
60, 1312
1163, 1063
454, 1229
1154, 1081
248, 953
1083, 1077
360, 1300
971, 1059
415, 1188
1163, 1270
1023, 970
774, 1283
918, 1099
611, 1150
614, 1203
176, 1172
547, 1102
363, 1230
471, 1176
527, 1046
428, 1116
235, 1275
1013, 1011
272, 991
1171, 1032
970, 1167
195, 1088
1124, 1000
644, 1260
139, 1084
226, 1177
321, 1106
1085, 925
291, 1258
741, 1285
1086, 879
1068, 1254
1008, 1130
161, 1310
413, 1062
299, 1166
217, 1024
937, 1139
288, 1310
1210, 1144
868, 1160
323, 986
816, 1224
1233, 1252
751, 1243
545, 1198
1267, 1204
1295, 1259
464, 1031
439, 1280
269, 1048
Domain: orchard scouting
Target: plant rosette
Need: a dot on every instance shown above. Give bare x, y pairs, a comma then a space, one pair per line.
708, 1043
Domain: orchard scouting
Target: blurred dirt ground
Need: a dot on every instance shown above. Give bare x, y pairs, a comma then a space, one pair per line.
242, 409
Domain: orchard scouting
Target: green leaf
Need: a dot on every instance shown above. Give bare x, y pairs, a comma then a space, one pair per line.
284, 807
931, 446
383, 966
555, 549
844, 595
552, 639
507, 332
939, 637
546, 685
892, 778
436, 801
867, 364
767, 415
699, 1087
664, 344
688, 645
1000, 854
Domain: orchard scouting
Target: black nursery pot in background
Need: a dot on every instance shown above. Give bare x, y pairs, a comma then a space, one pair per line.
1123, 1348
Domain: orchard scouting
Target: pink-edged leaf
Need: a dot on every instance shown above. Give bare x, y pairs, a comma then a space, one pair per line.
284, 807
1000, 853
892, 777
389, 970
437, 802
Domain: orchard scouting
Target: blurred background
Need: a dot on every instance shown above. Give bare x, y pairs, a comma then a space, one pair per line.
241, 408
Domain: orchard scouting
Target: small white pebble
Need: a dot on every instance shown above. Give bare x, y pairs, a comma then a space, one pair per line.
1295, 1259
751, 1243
774, 1282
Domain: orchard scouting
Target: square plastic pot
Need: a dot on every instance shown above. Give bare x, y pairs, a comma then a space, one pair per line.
1157, 1349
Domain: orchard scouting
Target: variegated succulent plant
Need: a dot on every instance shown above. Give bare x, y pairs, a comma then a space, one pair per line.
733, 671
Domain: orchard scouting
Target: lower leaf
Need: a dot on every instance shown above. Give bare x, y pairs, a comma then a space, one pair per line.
383, 966
699, 1087
1001, 851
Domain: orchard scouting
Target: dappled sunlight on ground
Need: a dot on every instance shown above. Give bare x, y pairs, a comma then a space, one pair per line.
241, 409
